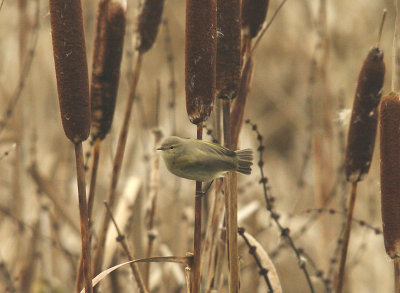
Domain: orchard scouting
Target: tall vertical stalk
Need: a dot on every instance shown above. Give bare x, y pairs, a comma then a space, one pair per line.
197, 226
73, 93
200, 72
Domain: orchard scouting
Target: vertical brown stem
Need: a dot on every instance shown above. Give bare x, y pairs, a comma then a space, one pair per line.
93, 177
396, 263
231, 206
197, 228
119, 155
83, 211
346, 237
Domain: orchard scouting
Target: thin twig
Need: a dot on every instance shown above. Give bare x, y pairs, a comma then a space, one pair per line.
121, 239
49, 190
53, 242
285, 232
252, 250
346, 237
267, 26
362, 223
6, 153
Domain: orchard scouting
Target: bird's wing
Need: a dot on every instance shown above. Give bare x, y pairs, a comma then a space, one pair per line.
214, 148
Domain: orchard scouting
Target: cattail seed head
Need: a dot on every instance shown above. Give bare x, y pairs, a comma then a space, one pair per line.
107, 58
254, 13
148, 22
390, 172
228, 48
200, 58
71, 67
364, 118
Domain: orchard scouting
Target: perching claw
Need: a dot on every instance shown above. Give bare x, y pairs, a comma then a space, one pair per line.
201, 194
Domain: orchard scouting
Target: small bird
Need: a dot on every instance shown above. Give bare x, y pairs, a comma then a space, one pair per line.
203, 161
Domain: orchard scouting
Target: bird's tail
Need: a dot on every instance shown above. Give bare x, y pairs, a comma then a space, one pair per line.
245, 160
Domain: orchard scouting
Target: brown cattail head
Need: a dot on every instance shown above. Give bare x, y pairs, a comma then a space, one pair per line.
254, 13
390, 172
71, 67
228, 48
109, 42
148, 22
364, 117
200, 54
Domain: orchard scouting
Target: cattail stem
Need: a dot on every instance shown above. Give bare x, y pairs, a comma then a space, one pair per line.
196, 276
396, 263
93, 177
83, 211
119, 155
346, 237
231, 206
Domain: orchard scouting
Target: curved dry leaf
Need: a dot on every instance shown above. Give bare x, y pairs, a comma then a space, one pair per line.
175, 259
266, 262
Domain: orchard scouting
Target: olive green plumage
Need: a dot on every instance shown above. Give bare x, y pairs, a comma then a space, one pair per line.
203, 161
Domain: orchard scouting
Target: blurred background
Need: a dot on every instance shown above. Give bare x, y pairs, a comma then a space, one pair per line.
306, 69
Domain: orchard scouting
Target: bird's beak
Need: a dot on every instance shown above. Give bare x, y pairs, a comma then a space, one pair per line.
160, 149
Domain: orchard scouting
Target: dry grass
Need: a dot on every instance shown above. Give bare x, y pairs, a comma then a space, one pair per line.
287, 79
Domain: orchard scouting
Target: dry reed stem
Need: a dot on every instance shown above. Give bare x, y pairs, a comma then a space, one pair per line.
200, 58
232, 235
390, 172
153, 194
211, 239
239, 105
231, 205
117, 164
346, 237
196, 275
107, 56
93, 177
122, 240
396, 264
71, 67
228, 67
48, 189
28, 271
83, 211
92, 188
148, 22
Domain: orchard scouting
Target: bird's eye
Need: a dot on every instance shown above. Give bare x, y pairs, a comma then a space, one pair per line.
171, 147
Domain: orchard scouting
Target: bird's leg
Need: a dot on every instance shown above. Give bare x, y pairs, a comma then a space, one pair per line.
206, 191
